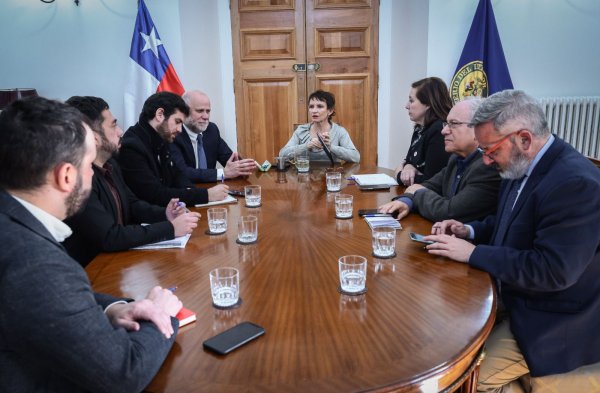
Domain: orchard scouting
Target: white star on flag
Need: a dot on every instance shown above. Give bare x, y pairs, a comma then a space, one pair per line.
152, 42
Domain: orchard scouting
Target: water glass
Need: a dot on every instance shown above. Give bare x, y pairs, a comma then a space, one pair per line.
247, 229
384, 241
217, 219
302, 162
353, 273
252, 195
225, 286
334, 181
343, 205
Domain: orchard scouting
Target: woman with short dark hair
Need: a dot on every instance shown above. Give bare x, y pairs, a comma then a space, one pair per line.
321, 130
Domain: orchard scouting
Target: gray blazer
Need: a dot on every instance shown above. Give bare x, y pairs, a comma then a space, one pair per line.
341, 147
476, 196
54, 335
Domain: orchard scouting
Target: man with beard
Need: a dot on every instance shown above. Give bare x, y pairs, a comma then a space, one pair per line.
145, 158
542, 247
56, 335
198, 148
111, 218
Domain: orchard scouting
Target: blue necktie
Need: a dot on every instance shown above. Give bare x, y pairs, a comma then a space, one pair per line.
507, 210
201, 154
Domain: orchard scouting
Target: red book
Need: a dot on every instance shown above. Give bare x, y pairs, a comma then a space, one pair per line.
185, 316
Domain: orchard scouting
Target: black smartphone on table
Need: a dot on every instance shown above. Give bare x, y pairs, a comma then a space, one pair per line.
236, 193
419, 238
374, 187
368, 212
233, 338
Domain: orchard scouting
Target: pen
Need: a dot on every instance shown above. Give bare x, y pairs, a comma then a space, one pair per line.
172, 289
222, 178
182, 204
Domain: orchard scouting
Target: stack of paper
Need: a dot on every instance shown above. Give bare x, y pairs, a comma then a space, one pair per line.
228, 199
382, 220
178, 242
374, 179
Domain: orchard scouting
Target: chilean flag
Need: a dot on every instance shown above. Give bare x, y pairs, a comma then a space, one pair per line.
151, 70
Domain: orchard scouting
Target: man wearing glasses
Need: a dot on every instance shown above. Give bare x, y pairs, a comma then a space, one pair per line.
542, 246
466, 189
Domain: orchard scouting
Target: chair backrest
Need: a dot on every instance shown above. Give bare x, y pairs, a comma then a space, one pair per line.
595, 161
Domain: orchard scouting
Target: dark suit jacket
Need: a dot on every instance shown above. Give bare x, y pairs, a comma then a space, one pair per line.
427, 154
96, 229
475, 198
549, 262
215, 149
54, 335
149, 171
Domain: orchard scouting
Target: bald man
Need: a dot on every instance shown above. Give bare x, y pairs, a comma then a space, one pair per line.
198, 148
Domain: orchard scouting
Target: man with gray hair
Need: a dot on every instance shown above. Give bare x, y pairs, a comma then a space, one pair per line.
466, 189
199, 147
542, 247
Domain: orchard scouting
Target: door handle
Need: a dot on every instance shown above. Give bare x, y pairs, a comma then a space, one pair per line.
301, 67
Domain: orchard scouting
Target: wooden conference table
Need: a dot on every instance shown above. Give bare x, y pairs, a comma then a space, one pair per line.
419, 327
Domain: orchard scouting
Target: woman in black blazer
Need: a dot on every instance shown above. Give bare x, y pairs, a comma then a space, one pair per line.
428, 105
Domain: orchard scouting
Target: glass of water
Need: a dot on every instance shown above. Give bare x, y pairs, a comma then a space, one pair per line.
302, 162
225, 286
217, 219
343, 206
247, 229
353, 274
334, 180
384, 242
252, 196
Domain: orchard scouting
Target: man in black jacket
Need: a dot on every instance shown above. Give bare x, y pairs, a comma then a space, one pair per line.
56, 334
146, 161
111, 218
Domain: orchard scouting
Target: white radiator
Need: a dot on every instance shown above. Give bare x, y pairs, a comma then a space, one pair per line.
576, 120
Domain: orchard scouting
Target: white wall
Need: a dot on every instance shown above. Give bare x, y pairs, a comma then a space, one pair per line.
551, 47
64, 50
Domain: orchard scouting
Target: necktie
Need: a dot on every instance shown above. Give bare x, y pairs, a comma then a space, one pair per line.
201, 154
507, 210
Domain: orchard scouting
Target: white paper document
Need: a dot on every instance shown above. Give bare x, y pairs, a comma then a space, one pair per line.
374, 179
382, 221
178, 242
228, 199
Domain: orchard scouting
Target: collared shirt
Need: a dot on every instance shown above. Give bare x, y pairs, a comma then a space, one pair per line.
461, 166
194, 138
527, 175
58, 229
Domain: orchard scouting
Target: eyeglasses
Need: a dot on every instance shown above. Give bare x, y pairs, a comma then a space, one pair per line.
489, 151
453, 124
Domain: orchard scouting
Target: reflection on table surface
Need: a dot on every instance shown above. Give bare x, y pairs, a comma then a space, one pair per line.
418, 327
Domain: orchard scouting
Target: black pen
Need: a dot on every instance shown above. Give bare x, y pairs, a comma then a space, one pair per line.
172, 289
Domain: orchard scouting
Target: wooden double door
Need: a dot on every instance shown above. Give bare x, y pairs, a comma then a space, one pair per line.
284, 50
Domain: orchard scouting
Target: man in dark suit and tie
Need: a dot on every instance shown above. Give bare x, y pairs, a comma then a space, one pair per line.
542, 246
56, 334
199, 147
466, 189
111, 218
146, 161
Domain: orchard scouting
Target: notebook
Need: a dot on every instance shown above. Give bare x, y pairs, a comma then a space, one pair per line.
178, 242
382, 220
375, 179
228, 199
